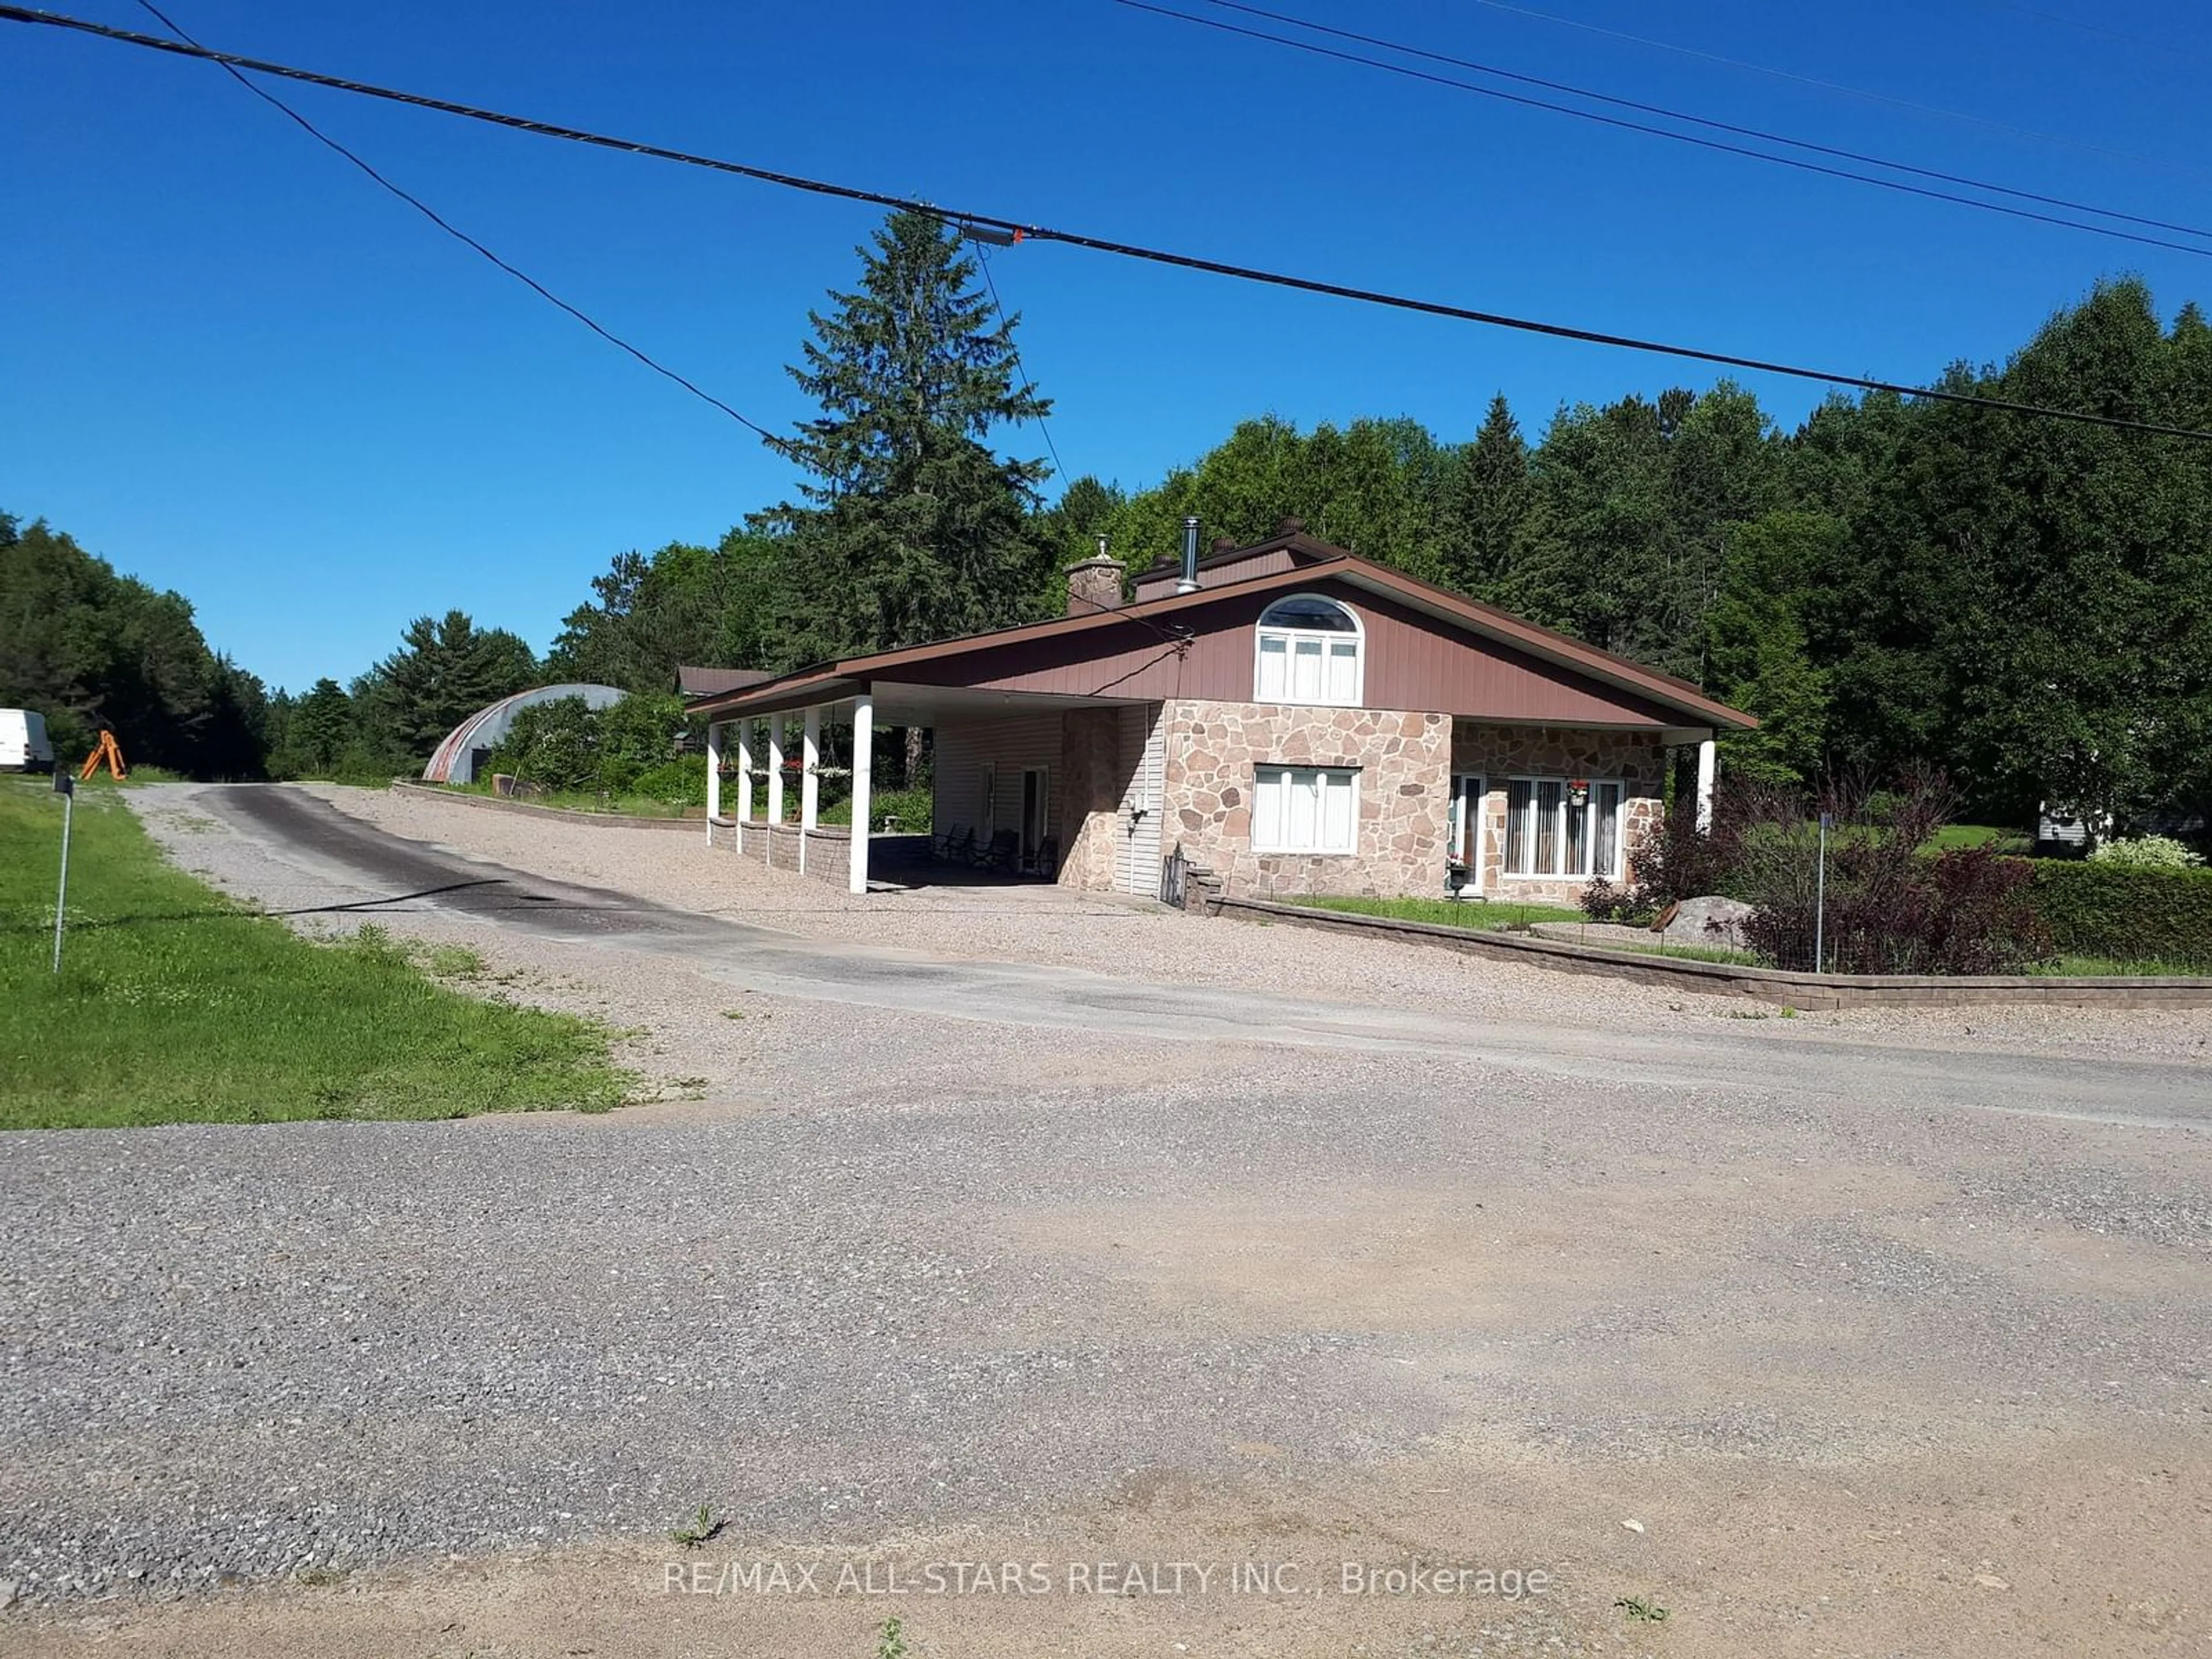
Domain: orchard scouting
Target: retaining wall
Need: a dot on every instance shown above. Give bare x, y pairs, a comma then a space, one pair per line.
1806, 991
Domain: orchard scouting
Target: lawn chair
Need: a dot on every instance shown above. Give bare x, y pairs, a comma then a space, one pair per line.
1045, 861
956, 845
1003, 854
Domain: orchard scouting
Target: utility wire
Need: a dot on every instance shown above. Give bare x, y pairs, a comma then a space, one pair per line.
1020, 232
1007, 327
779, 445
1813, 80
1725, 148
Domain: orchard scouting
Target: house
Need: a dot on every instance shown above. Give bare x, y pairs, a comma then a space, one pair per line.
1288, 716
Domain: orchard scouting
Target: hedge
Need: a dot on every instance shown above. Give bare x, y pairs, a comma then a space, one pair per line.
2099, 909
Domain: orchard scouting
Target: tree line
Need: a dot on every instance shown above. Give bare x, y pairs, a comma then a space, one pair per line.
2025, 603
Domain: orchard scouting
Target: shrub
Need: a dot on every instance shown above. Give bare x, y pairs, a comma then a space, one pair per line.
2146, 853
553, 745
1679, 862
1888, 908
2100, 907
681, 782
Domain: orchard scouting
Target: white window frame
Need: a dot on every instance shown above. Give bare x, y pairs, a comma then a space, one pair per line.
1285, 778
1264, 631
1589, 809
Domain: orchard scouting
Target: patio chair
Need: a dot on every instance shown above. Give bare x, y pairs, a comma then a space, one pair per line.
1045, 861
956, 845
1003, 854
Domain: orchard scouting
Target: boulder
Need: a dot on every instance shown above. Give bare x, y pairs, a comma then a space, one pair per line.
1714, 921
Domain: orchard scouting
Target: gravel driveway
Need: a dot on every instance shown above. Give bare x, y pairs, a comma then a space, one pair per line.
1849, 1315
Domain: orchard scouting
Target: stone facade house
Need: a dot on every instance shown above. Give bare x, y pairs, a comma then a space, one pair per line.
1288, 717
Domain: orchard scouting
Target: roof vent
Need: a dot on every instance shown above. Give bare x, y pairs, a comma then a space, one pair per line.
1225, 544
1290, 524
1189, 582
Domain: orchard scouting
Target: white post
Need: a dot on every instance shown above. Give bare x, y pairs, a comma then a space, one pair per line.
775, 780
714, 777
809, 786
1708, 764
744, 779
863, 743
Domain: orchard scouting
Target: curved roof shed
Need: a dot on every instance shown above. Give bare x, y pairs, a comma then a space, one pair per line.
467, 745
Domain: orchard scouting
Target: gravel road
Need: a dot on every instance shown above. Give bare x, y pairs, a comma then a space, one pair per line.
987, 1213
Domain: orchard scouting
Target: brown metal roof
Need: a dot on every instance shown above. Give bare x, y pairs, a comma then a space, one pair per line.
713, 682
1170, 615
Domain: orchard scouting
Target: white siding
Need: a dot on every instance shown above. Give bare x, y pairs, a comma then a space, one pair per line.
1141, 757
1010, 743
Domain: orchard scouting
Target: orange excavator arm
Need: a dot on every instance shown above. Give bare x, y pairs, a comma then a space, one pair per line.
109, 750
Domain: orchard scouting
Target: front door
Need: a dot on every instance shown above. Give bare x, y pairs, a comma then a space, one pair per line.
1036, 798
1464, 848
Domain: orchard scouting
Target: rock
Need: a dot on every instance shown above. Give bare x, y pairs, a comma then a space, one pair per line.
1712, 921
1991, 1581
9, 1591
1633, 1526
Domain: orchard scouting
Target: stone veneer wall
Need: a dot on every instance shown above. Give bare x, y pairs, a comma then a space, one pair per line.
1638, 759
1403, 760
1090, 791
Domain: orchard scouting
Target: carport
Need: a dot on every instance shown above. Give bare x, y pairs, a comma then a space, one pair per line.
1075, 780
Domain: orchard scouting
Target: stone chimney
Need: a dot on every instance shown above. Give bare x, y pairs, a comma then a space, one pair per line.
1095, 585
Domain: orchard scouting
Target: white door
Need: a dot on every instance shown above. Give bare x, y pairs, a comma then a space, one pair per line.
1142, 754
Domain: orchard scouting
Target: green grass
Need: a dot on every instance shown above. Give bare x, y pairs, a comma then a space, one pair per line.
1954, 837
2102, 967
579, 800
176, 1004
1479, 915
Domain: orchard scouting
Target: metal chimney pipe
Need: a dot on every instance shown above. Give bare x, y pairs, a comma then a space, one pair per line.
1189, 582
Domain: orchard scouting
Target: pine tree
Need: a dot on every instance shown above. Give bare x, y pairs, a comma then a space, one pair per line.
1485, 499
444, 671
912, 528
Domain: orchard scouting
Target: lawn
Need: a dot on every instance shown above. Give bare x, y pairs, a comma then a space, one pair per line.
176, 1004
1484, 916
1956, 837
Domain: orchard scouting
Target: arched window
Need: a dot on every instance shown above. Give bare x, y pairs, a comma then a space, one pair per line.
1310, 651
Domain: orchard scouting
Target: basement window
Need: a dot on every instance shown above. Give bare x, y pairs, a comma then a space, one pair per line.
1303, 809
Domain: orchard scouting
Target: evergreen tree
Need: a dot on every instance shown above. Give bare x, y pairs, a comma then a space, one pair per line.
911, 527
444, 671
1485, 502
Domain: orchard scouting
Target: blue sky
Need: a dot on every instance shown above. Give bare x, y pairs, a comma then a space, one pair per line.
236, 368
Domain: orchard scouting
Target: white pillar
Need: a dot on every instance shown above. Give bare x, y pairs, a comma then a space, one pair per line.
714, 777
744, 779
775, 783
1708, 764
863, 743
809, 786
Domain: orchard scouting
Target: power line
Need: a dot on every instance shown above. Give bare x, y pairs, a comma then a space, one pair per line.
1021, 232
1896, 185
1005, 326
1814, 81
423, 208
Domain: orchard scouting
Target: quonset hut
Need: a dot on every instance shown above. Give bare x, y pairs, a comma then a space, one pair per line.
468, 745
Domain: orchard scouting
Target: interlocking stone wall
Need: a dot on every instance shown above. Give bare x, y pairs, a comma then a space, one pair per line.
1404, 759
829, 848
1638, 759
